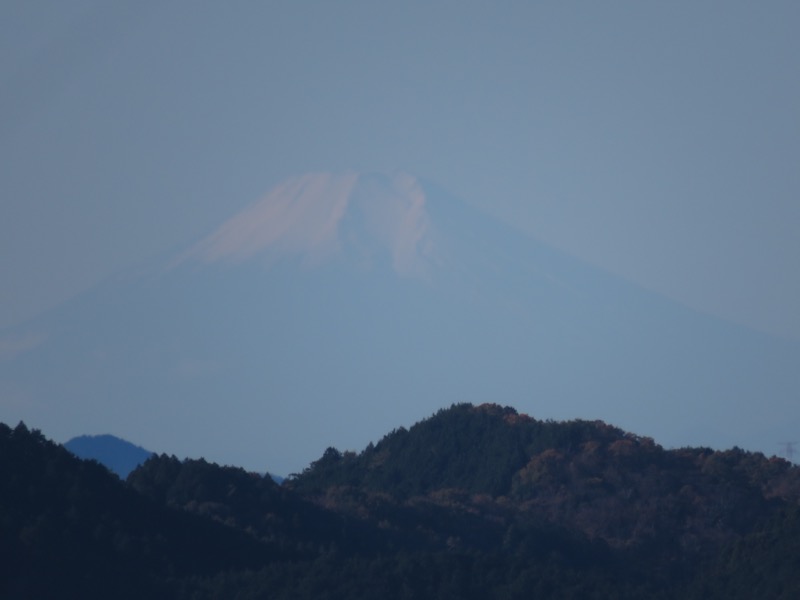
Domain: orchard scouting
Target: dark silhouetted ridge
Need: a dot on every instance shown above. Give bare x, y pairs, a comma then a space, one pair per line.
474, 502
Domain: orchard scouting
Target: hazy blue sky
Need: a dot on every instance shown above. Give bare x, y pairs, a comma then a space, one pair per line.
658, 140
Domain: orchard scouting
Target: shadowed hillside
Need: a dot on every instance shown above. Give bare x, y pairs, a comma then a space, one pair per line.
473, 502
585, 475
70, 528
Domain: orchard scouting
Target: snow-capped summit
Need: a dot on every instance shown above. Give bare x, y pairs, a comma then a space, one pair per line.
322, 216
383, 299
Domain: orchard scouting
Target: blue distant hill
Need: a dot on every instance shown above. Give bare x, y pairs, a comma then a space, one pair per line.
118, 455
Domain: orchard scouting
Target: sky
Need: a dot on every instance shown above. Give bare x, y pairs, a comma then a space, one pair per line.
659, 141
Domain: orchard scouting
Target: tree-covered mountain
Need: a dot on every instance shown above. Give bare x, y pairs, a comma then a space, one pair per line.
585, 475
71, 529
473, 502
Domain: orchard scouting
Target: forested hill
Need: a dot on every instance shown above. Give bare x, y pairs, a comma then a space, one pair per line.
474, 502
69, 528
585, 475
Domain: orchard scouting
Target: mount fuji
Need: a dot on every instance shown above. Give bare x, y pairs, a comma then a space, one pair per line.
340, 305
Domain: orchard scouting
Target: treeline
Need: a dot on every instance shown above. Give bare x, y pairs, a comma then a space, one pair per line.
474, 502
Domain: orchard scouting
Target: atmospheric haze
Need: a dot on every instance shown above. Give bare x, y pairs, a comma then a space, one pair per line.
220, 232
343, 305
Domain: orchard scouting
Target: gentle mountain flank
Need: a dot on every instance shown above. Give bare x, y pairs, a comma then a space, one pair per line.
344, 303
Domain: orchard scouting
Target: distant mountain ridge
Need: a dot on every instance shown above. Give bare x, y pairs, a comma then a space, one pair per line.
344, 302
118, 455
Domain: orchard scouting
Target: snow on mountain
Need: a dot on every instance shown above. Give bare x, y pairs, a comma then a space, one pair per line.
340, 305
308, 216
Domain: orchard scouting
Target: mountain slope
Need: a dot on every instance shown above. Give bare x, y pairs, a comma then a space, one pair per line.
118, 455
342, 304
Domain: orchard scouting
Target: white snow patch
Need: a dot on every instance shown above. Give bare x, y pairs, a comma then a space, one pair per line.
303, 216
